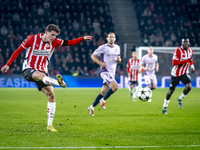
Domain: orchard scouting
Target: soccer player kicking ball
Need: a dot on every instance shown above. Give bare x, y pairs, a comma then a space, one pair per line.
110, 56
39, 48
133, 68
181, 60
150, 65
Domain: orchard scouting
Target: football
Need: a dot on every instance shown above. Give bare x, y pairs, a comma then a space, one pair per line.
144, 93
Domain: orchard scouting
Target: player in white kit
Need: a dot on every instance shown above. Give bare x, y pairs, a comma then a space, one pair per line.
110, 56
150, 65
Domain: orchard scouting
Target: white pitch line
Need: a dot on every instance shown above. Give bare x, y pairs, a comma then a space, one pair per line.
92, 147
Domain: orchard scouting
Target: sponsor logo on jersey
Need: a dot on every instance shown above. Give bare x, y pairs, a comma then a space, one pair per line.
41, 52
135, 67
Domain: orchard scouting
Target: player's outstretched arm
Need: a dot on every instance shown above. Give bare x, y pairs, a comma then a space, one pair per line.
76, 41
88, 37
12, 58
4, 69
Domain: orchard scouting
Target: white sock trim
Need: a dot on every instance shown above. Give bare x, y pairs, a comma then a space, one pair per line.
103, 100
92, 107
166, 102
182, 96
50, 81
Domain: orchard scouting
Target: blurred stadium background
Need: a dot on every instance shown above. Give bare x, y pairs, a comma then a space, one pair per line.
158, 23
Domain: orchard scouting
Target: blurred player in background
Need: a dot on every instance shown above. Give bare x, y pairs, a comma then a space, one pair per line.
110, 56
150, 65
39, 48
133, 68
181, 60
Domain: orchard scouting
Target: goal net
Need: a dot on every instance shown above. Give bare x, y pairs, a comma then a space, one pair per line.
165, 65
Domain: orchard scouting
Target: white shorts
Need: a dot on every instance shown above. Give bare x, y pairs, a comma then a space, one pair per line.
107, 77
150, 79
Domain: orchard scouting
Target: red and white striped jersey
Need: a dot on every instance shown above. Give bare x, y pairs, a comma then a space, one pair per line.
180, 55
38, 52
133, 67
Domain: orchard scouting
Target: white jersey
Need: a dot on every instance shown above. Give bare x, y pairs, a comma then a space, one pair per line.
109, 55
150, 63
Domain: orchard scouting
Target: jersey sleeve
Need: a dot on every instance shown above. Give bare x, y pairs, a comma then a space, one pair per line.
176, 58
100, 50
15, 55
119, 53
57, 42
176, 55
156, 58
27, 42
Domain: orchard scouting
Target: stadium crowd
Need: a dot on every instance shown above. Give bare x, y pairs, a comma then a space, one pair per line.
161, 23
75, 18
164, 23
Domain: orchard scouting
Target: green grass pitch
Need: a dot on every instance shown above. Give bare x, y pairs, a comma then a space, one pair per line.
126, 123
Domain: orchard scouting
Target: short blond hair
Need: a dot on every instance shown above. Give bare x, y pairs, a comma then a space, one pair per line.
110, 33
150, 47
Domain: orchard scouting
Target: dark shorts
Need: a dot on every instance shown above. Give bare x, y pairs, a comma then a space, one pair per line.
27, 74
184, 79
133, 82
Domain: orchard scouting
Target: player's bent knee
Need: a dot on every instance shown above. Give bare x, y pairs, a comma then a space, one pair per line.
189, 88
172, 88
171, 91
115, 87
51, 95
103, 93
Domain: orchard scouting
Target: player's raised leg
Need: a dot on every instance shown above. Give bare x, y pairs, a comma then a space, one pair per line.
39, 76
104, 89
51, 106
